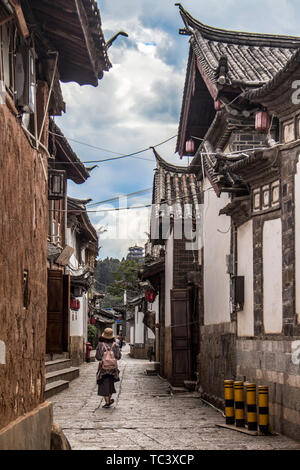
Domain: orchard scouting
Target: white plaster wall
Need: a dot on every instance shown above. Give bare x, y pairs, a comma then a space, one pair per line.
297, 238
154, 307
85, 316
245, 318
139, 327
71, 241
272, 276
76, 268
76, 319
150, 334
169, 253
131, 333
216, 247
2, 352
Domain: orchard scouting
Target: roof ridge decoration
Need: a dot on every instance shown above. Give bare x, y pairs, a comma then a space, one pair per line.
169, 167
235, 37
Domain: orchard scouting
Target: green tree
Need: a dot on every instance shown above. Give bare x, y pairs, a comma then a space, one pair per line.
104, 273
126, 278
92, 335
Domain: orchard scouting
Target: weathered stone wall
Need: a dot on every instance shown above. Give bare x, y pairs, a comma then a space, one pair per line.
271, 362
140, 351
217, 359
77, 350
29, 432
23, 247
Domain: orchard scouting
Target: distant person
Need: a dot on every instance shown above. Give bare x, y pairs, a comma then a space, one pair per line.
151, 354
121, 340
107, 353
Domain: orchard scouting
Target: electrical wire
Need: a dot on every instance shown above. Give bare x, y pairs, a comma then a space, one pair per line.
142, 191
115, 158
79, 211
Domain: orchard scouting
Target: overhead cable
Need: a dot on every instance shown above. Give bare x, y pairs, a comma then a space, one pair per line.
112, 158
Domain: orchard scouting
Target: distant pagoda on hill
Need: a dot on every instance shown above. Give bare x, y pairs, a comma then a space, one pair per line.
136, 253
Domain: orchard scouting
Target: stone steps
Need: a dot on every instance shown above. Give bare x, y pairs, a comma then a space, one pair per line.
68, 374
52, 366
190, 385
54, 388
59, 373
55, 357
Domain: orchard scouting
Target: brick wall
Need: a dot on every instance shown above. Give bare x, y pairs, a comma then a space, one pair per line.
269, 362
288, 170
23, 246
217, 360
243, 141
184, 262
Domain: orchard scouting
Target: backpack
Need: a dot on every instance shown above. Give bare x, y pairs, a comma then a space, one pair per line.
109, 362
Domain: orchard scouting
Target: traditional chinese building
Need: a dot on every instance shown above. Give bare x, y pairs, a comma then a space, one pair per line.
172, 270
83, 239
241, 125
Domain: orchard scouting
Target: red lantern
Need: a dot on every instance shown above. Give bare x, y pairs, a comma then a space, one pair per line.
190, 147
150, 296
218, 105
262, 121
93, 321
74, 304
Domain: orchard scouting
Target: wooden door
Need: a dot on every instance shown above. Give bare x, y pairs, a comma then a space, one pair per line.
66, 312
58, 312
181, 341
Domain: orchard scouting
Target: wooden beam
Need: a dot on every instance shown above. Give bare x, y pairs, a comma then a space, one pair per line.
20, 17
213, 90
6, 20
85, 29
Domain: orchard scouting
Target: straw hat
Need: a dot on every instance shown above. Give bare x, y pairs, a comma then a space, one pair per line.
108, 333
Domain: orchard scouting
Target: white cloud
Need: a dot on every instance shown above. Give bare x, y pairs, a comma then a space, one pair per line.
137, 104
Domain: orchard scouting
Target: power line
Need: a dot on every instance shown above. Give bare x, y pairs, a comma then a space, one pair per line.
142, 191
84, 143
130, 208
133, 154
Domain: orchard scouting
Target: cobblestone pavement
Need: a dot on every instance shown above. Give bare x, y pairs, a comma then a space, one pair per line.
146, 416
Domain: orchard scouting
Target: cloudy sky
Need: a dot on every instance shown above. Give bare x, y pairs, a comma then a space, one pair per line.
137, 104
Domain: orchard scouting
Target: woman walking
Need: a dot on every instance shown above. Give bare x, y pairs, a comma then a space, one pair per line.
107, 353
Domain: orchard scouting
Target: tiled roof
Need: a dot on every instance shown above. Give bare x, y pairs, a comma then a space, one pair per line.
78, 208
252, 58
174, 187
66, 158
276, 95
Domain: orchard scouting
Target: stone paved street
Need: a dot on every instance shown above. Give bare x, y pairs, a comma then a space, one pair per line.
145, 416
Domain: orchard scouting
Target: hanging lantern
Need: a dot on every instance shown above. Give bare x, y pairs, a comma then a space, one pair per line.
74, 304
150, 296
262, 121
190, 147
218, 105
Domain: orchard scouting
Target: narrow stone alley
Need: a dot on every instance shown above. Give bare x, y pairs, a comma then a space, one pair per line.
146, 416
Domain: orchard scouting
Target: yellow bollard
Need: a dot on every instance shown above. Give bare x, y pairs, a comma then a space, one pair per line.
239, 404
229, 401
251, 407
263, 409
